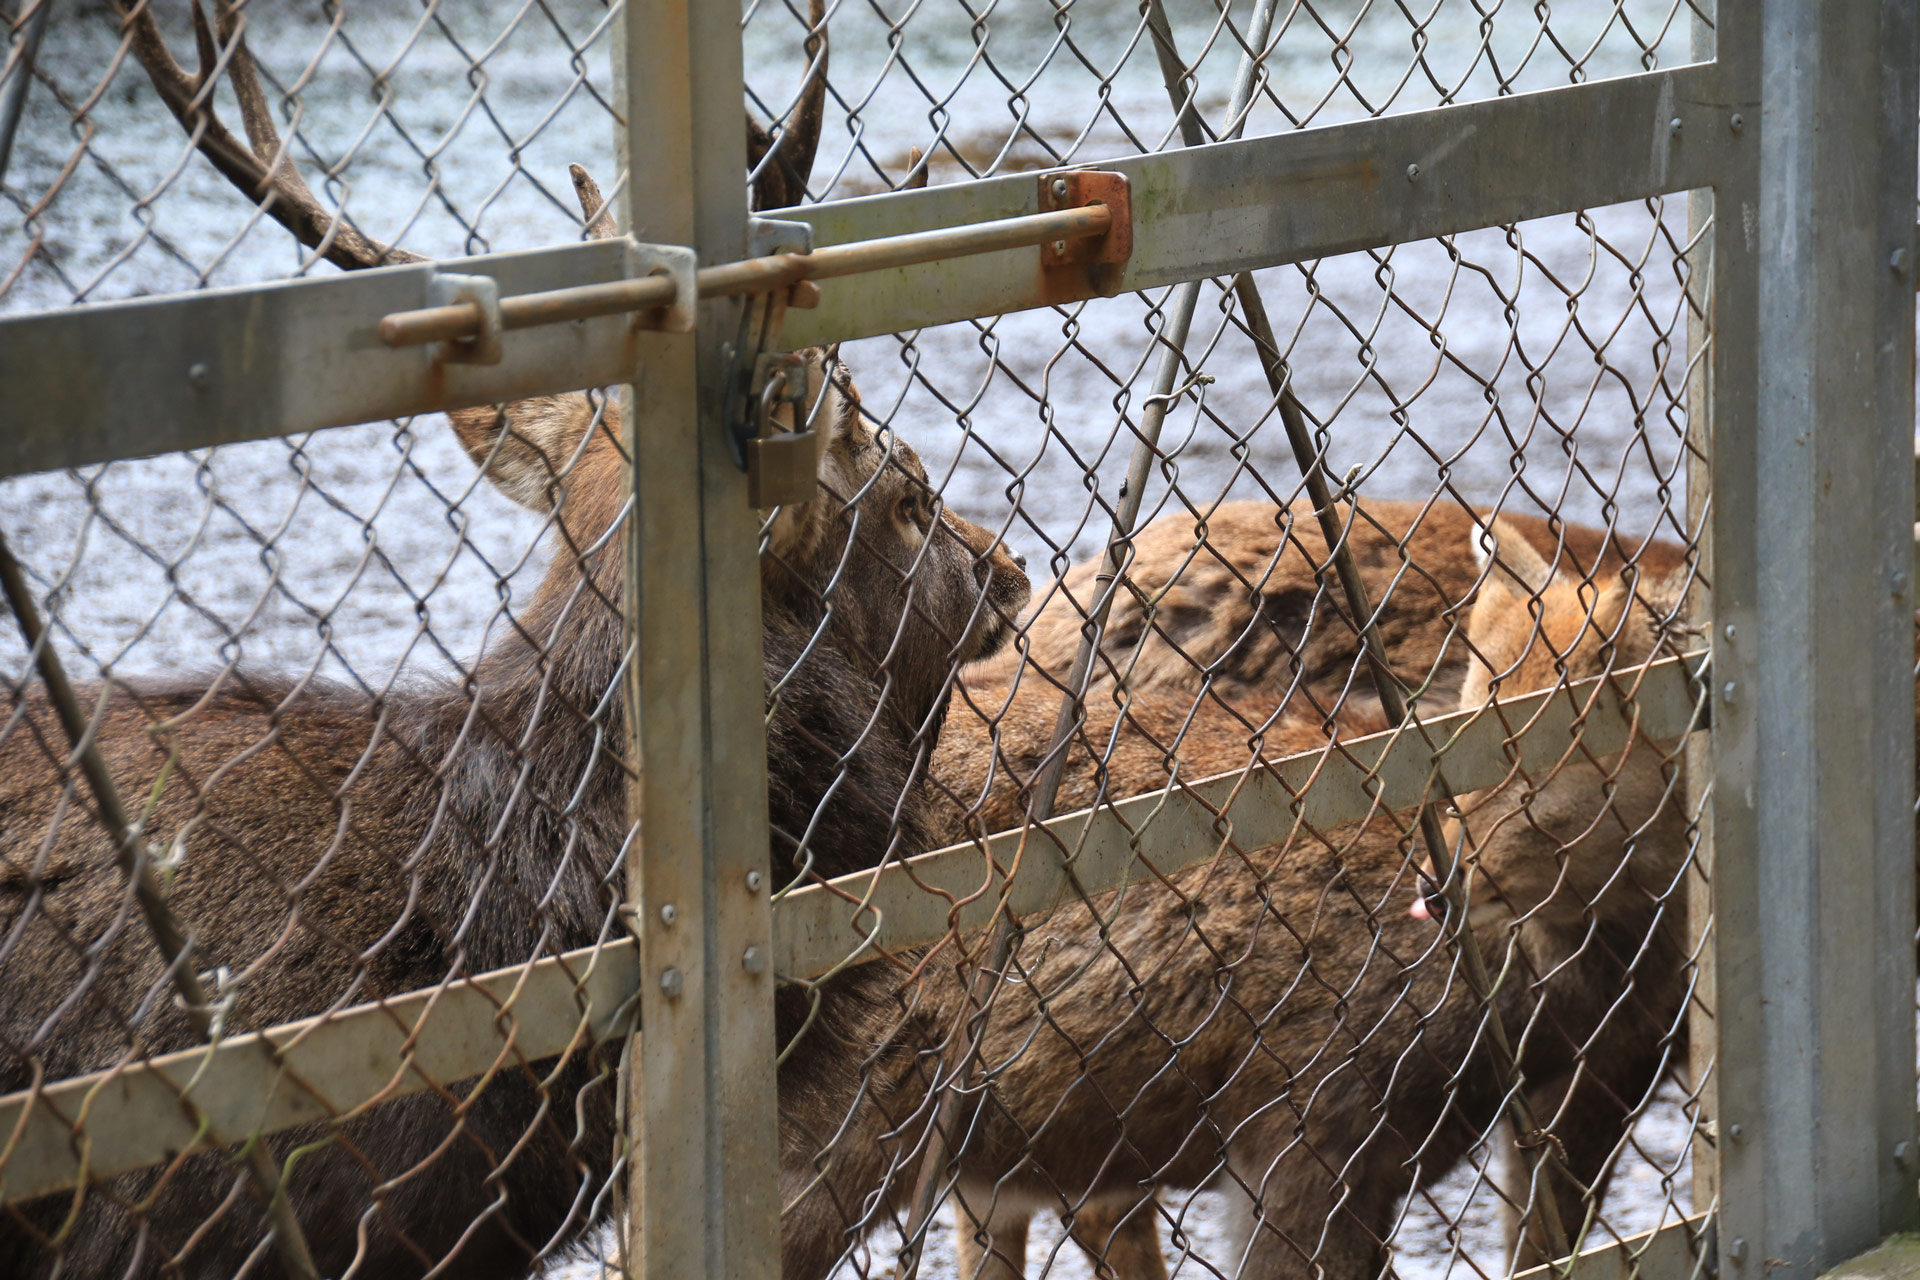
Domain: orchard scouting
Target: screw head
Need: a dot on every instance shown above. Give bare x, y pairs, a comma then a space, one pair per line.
1737, 1248
1728, 630
668, 913
754, 960
1059, 188
1413, 171
199, 374
1898, 261
1675, 125
1903, 1154
754, 881
672, 984
1736, 122
1059, 246
1735, 1131
1726, 695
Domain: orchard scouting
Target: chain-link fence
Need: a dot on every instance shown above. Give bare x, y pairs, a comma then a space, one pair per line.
1237, 787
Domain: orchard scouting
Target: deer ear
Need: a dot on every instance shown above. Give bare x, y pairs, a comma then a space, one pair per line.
1504, 555
528, 448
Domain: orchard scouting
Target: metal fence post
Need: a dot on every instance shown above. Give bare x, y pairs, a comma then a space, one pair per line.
1812, 422
703, 1189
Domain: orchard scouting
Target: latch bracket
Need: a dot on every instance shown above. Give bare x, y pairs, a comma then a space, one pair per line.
1076, 189
448, 289
677, 263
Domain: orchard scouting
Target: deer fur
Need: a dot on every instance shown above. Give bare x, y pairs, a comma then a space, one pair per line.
335, 848
1277, 1023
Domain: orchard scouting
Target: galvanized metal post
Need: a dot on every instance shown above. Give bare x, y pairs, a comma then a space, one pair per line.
703, 1188
1811, 427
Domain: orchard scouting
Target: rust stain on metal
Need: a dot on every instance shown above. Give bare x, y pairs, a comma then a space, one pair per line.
1071, 270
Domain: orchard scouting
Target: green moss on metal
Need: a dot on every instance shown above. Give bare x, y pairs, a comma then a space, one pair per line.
1895, 1258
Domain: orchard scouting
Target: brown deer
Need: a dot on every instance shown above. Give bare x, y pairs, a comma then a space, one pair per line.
1279, 1024
334, 848
330, 848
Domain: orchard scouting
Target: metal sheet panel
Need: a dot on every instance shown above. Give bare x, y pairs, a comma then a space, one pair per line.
1812, 425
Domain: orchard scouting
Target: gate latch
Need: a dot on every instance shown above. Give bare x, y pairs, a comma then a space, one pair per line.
782, 466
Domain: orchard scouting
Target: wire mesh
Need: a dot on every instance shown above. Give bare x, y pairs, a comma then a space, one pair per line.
362, 688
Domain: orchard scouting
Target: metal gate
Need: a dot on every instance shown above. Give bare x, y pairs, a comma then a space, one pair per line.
1335, 700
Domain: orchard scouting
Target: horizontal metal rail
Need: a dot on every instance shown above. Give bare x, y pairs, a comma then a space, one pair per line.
1677, 1251
921, 900
128, 379
100, 1125
754, 275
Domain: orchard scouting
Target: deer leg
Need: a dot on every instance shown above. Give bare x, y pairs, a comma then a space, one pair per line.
1120, 1237
989, 1234
1589, 1121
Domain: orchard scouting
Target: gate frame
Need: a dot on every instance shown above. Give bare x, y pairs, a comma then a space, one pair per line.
1812, 612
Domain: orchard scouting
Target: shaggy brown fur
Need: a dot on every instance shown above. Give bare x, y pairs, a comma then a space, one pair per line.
335, 847
1238, 607
1277, 1024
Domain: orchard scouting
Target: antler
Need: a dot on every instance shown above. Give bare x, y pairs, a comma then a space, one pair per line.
262, 167
782, 181
593, 206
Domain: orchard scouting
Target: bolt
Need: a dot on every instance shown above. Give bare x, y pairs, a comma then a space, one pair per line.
754, 880
1903, 1154
1737, 122
1059, 188
1898, 261
1737, 1249
1413, 171
1734, 1131
199, 374
1726, 695
1059, 246
1728, 629
668, 913
672, 984
754, 960
1675, 125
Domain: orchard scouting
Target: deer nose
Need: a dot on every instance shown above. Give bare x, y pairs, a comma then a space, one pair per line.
1019, 560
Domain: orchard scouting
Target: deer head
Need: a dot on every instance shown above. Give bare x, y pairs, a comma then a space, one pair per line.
1565, 844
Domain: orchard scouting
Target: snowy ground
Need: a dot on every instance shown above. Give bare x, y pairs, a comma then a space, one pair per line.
370, 553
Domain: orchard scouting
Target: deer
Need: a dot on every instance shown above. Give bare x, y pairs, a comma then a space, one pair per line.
1109, 1076
331, 848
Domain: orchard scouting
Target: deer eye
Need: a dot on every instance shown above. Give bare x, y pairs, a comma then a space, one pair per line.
915, 509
